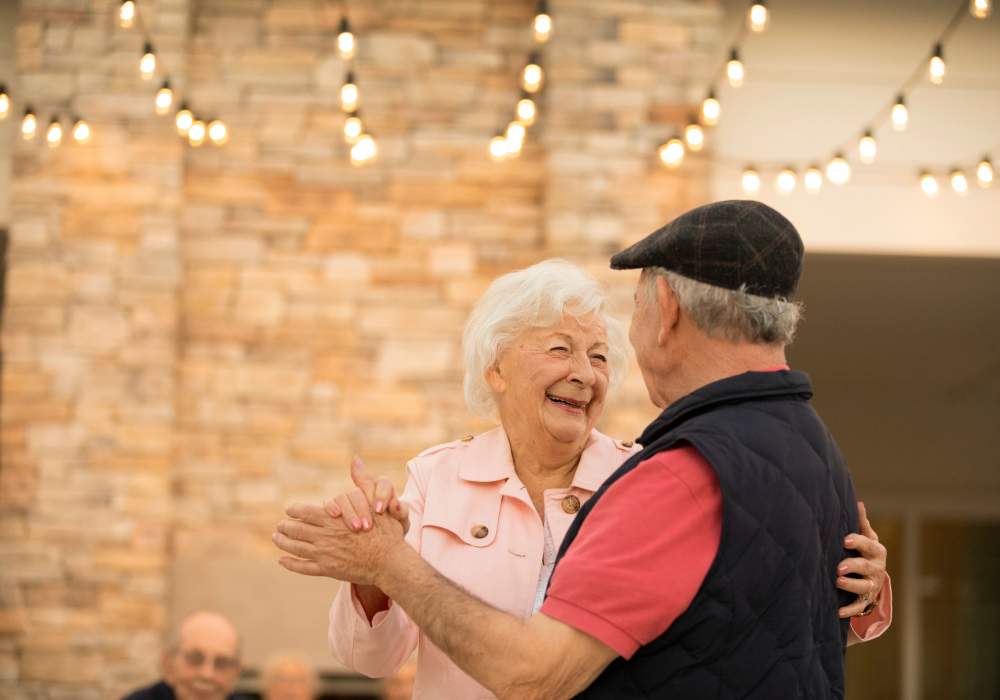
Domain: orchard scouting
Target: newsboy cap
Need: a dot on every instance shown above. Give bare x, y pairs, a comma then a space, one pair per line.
726, 244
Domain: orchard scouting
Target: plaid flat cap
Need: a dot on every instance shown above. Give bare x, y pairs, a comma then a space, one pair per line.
726, 244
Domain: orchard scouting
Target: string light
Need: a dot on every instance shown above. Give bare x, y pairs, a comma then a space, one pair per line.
541, 26
81, 131
959, 183
364, 151
4, 102
711, 110
353, 128
929, 184
838, 170
184, 119
984, 172
514, 136
672, 153
147, 64
813, 179
498, 148
349, 94
126, 14
867, 148
900, 114
218, 132
980, 9
751, 181
196, 134
527, 111
734, 69
164, 98
936, 67
29, 124
346, 45
758, 16
787, 181
54, 134
532, 76
694, 135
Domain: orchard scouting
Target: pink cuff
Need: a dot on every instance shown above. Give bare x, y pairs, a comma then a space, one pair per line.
871, 626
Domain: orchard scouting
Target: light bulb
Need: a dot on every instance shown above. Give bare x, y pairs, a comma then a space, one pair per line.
218, 132
672, 153
364, 151
346, 45
526, 111
196, 134
498, 148
353, 128
183, 120
813, 179
984, 172
734, 69
515, 134
533, 76
542, 24
81, 131
711, 110
54, 134
929, 184
838, 170
349, 94
867, 148
959, 183
757, 16
29, 124
513, 146
751, 181
980, 9
126, 14
147, 64
936, 68
164, 98
786, 181
4, 102
900, 114
694, 135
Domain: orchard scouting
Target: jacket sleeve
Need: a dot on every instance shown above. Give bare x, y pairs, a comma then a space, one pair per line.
869, 627
378, 649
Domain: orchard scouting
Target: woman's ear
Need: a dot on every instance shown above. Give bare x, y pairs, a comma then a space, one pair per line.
495, 379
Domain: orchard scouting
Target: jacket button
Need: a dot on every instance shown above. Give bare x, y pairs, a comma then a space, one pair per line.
467, 438
571, 504
480, 531
627, 443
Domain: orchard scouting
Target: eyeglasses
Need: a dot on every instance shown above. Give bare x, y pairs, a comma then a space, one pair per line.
197, 658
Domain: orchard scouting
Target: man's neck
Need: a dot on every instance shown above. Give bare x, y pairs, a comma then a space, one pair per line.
712, 360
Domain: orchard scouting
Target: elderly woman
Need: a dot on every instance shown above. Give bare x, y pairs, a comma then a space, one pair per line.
489, 512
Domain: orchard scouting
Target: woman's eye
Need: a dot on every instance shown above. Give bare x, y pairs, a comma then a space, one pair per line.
599, 358
560, 348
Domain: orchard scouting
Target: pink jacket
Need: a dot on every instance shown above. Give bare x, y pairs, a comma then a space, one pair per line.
472, 519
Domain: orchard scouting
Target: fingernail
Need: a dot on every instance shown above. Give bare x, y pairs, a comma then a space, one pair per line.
849, 541
379, 506
365, 524
844, 615
842, 569
355, 523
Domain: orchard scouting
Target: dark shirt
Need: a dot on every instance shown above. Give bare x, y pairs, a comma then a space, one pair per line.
159, 691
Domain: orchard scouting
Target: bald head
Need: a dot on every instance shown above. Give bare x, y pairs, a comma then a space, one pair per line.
202, 661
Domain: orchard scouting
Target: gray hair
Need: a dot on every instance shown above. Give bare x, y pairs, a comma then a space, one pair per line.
732, 314
535, 297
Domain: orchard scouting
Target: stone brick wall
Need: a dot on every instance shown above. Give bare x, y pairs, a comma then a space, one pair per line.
194, 338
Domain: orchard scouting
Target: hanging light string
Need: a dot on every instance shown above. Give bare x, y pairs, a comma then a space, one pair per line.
731, 68
196, 129
508, 142
837, 168
360, 141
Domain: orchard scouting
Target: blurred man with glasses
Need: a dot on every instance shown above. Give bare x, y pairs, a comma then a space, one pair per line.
201, 662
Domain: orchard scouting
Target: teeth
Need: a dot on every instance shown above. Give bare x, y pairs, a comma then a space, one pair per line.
567, 402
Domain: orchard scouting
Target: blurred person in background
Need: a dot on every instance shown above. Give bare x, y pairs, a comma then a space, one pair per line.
399, 685
289, 677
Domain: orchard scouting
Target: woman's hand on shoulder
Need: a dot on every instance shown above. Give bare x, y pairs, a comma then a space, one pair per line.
373, 495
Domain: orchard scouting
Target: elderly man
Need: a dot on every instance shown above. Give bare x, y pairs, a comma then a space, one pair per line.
289, 677
201, 661
700, 567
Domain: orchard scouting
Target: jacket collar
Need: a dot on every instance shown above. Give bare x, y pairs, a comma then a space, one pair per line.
488, 459
742, 387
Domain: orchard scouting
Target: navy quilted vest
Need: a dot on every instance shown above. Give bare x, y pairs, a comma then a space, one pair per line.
764, 623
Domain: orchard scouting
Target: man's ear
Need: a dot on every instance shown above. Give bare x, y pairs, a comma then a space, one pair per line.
669, 308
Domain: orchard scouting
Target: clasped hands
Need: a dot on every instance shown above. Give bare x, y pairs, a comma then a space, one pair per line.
348, 537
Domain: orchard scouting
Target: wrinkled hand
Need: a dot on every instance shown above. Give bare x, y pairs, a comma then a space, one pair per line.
870, 566
373, 494
322, 545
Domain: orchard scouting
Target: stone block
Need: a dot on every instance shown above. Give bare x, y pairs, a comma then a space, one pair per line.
452, 259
